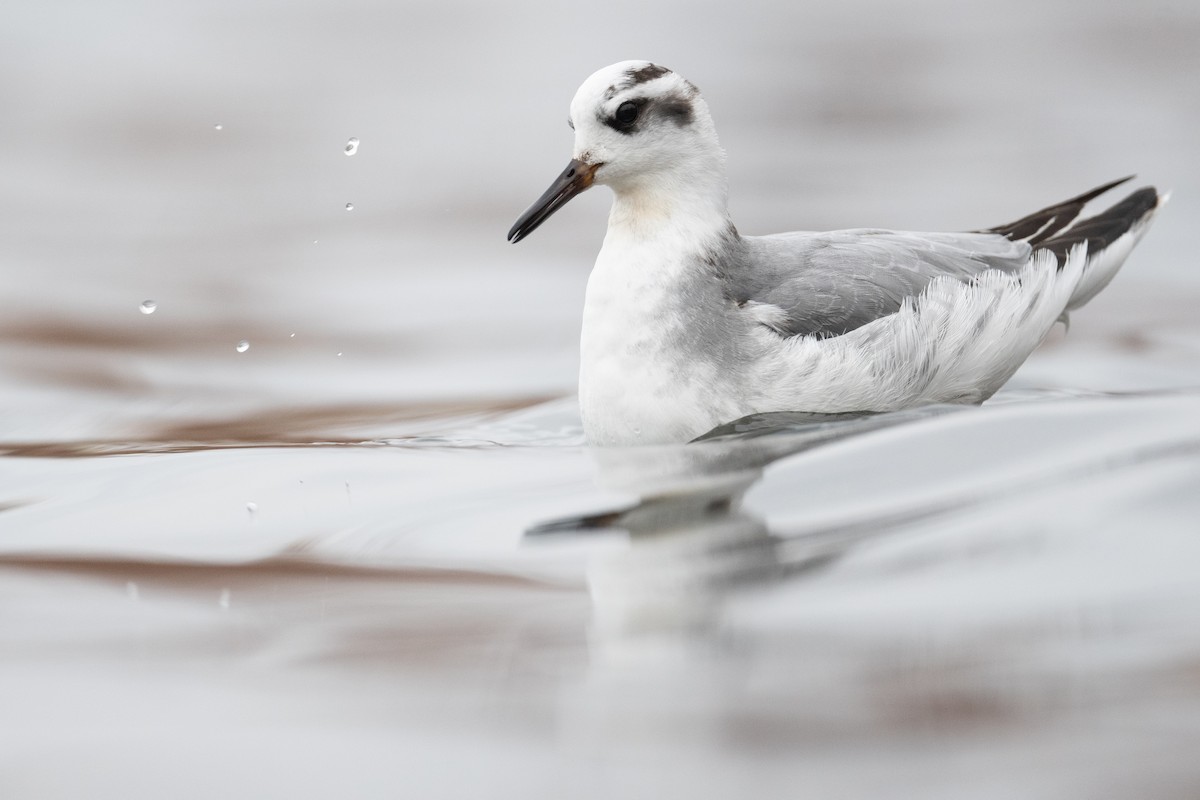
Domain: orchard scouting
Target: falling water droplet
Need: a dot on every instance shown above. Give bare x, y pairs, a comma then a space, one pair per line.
148, 307
349, 206
339, 354
223, 599
243, 346
131, 590
352, 146
291, 336
218, 127
252, 508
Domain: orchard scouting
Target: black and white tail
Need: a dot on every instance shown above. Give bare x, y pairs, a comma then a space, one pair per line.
1108, 236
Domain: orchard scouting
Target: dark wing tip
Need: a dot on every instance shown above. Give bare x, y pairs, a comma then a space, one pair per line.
1042, 225
1103, 229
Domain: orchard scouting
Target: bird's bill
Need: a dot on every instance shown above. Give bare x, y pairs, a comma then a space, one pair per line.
576, 178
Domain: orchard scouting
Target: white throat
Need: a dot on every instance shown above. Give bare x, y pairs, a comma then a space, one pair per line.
685, 206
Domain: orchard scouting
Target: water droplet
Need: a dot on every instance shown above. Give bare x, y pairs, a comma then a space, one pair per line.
349, 206
352, 146
252, 508
291, 336
148, 307
315, 241
223, 599
243, 346
339, 354
218, 127
131, 590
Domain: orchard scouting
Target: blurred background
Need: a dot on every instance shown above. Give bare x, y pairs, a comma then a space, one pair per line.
192, 154
267, 539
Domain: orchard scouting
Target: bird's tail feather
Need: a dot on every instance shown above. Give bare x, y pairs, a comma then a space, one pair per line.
1108, 236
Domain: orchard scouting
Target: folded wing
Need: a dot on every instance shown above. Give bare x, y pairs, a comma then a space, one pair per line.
827, 284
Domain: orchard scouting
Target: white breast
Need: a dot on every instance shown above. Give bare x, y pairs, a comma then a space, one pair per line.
641, 377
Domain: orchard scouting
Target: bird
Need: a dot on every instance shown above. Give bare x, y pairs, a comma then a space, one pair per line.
687, 324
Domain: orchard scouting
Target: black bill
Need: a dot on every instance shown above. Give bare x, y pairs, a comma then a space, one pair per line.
576, 178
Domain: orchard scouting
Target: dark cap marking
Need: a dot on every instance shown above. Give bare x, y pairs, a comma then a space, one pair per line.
645, 74
636, 77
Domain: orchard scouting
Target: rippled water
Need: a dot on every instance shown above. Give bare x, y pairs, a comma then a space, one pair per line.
295, 502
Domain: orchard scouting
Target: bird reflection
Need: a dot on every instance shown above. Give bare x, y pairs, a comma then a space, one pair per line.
690, 541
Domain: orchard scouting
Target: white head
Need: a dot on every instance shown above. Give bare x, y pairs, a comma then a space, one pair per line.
639, 127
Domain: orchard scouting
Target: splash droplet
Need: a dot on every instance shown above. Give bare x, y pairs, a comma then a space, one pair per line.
148, 307
218, 127
291, 336
351, 146
243, 346
349, 206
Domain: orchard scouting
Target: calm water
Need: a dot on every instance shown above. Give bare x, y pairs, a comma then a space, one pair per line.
294, 499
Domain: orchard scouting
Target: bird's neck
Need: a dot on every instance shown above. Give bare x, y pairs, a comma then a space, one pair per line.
673, 206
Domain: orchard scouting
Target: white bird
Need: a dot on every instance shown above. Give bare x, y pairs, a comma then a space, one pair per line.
687, 324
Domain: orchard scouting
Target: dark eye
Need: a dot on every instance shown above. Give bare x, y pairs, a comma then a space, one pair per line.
626, 113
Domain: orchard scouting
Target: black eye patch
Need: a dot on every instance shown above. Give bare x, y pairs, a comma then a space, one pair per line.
630, 115
625, 118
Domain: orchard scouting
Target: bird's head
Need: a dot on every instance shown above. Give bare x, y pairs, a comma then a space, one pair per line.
637, 126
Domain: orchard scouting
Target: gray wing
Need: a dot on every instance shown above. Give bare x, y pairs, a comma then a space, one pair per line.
829, 283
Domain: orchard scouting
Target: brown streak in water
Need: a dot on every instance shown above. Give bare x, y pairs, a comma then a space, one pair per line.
78, 375
1133, 341
274, 427
324, 615
62, 333
283, 424
66, 334
184, 573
